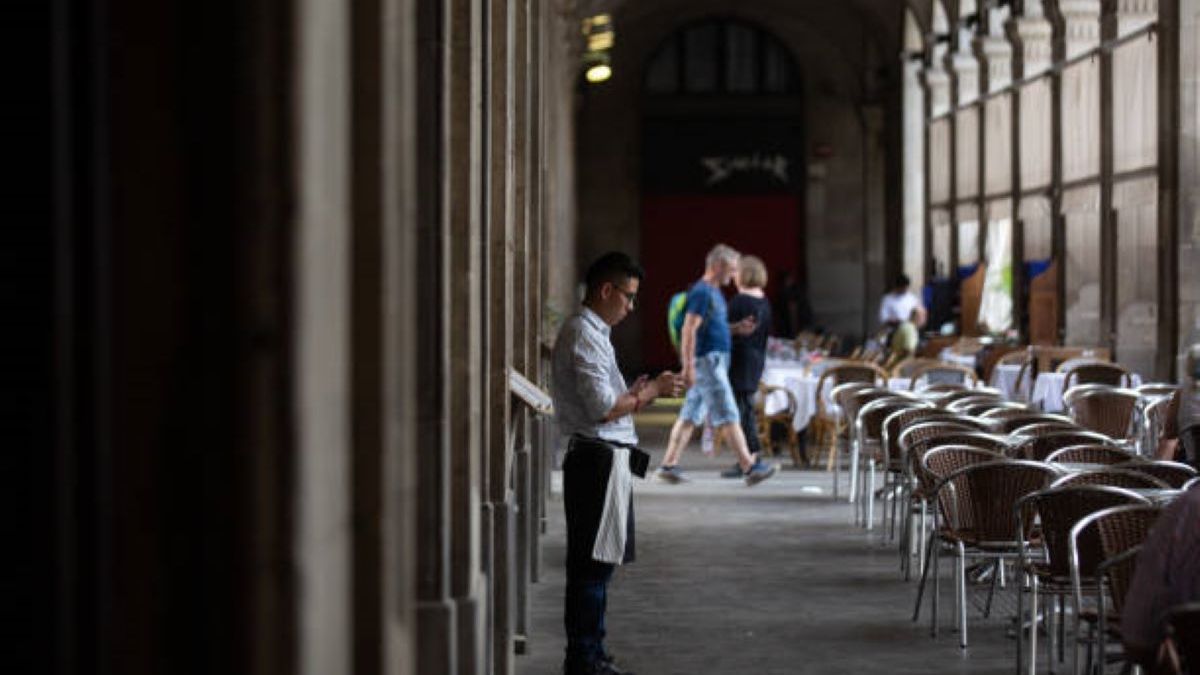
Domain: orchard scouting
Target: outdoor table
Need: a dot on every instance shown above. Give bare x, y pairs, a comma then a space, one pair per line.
1048, 391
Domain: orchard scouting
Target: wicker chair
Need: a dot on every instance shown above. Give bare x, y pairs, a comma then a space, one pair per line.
1024, 381
1098, 372
786, 417
944, 399
961, 403
827, 425
979, 408
915, 442
1183, 627
851, 402
868, 453
1122, 478
908, 366
894, 462
1105, 409
1033, 424
1038, 448
1119, 529
977, 506
1090, 454
1048, 567
1154, 413
943, 370
1174, 474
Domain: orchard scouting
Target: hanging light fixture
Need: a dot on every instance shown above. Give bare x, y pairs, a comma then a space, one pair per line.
599, 39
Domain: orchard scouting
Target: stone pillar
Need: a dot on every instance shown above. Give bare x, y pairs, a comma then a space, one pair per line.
322, 545
1179, 180
461, 138
436, 622
498, 513
1030, 38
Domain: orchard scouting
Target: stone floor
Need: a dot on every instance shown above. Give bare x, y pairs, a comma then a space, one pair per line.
766, 580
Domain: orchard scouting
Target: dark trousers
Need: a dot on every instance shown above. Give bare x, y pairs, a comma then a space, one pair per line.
585, 482
745, 404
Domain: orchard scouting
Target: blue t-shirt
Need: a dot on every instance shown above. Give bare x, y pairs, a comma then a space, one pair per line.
713, 335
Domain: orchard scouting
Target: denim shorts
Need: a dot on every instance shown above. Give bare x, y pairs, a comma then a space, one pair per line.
712, 394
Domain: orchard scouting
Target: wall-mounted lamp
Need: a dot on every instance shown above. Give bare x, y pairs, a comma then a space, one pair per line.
599, 39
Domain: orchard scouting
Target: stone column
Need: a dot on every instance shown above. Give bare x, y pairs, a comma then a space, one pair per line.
436, 622
1179, 180
460, 195
322, 545
498, 514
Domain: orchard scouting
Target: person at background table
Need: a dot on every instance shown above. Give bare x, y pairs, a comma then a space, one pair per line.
750, 323
705, 344
900, 304
792, 310
591, 400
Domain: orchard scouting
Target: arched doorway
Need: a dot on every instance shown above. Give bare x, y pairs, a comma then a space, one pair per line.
722, 161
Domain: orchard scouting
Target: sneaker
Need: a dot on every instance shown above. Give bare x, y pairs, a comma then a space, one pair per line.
734, 472
760, 472
670, 474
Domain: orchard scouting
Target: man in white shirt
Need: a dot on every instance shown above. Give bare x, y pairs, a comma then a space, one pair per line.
591, 400
900, 305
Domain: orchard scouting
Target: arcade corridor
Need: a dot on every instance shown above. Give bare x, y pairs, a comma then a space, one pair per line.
291, 271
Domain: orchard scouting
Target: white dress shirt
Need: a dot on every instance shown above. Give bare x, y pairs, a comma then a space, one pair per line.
586, 381
897, 307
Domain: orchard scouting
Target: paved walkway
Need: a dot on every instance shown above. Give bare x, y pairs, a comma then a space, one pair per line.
766, 580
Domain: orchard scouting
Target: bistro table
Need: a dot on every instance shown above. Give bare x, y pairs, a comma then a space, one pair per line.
1048, 390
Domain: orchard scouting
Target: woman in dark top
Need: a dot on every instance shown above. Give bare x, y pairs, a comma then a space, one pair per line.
750, 319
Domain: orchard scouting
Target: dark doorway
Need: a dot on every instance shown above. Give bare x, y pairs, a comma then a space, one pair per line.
722, 161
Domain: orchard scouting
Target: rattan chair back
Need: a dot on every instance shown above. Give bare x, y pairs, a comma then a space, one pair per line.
1034, 424
1119, 528
871, 416
1101, 408
1099, 372
1174, 474
853, 402
940, 476
995, 489
961, 403
900, 420
908, 366
947, 398
1123, 478
1059, 509
978, 409
1038, 448
1092, 453
968, 375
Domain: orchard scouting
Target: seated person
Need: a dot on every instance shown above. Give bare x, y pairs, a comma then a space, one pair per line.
1168, 567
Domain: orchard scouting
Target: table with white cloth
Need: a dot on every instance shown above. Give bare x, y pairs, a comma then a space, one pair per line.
803, 385
950, 356
1004, 378
1048, 391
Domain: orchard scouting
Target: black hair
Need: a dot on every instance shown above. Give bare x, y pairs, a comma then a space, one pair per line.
902, 281
613, 266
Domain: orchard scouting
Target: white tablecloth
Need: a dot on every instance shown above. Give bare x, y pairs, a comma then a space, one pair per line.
803, 387
1048, 391
1004, 378
950, 356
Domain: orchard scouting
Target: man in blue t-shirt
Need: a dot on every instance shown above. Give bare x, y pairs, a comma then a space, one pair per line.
704, 347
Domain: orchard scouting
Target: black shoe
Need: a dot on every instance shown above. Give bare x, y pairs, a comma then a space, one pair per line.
735, 472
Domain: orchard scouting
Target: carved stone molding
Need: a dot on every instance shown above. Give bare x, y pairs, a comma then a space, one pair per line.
966, 75
996, 55
1081, 24
937, 81
1033, 38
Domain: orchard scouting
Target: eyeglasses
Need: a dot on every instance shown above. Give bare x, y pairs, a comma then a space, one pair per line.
631, 297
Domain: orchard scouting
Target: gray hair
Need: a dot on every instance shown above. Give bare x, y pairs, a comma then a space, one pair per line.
721, 253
